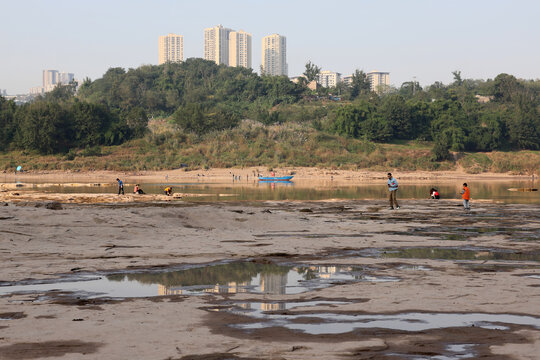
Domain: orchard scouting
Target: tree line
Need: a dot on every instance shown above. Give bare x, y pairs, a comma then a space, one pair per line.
467, 115
200, 96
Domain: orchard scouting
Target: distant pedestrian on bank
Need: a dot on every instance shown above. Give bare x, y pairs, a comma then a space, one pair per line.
392, 187
466, 196
120, 186
434, 194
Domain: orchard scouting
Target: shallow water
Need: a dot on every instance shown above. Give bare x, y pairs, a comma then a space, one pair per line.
229, 278
318, 190
450, 253
337, 323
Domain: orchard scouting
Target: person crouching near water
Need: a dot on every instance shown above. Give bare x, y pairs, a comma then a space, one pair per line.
168, 191
138, 190
434, 194
120, 186
392, 187
466, 196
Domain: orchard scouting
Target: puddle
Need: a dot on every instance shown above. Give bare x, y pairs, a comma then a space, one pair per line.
333, 323
414, 268
451, 253
458, 233
453, 352
237, 277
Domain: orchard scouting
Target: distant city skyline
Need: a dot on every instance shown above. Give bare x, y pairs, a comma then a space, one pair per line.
421, 39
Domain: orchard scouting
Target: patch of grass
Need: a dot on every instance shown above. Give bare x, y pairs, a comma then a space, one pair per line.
475, 163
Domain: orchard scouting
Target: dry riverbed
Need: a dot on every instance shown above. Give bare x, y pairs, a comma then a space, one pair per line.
325, 280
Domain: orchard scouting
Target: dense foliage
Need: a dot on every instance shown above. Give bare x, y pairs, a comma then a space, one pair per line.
199, 97
453, 116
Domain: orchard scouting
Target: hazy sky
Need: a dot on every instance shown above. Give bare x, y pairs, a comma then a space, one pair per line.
424, 38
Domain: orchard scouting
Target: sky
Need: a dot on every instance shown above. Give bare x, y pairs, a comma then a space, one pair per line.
411, 39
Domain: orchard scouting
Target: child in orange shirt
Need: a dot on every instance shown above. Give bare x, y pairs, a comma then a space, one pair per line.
466, 196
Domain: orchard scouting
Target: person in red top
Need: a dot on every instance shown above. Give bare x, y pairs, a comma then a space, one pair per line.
434, 193
466, 196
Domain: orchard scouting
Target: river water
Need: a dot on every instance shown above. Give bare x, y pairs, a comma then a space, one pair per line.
320, 190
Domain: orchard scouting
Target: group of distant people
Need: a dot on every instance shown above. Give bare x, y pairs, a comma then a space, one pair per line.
137, 189
392, 188
433, 193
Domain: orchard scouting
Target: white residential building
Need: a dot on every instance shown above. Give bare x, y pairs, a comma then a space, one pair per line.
274, 55
379, 81
216, 44
65, 78
240, 49
347, 79
171, 48
329, 78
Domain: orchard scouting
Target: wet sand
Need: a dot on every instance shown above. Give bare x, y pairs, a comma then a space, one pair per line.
40, 241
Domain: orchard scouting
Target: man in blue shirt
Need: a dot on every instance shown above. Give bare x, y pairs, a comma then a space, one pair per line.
392, 187
120, 186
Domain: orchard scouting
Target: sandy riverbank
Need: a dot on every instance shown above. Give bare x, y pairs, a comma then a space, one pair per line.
37, 242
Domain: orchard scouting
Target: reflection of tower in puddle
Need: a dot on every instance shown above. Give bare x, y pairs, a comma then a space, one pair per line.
265, 306
274, 284
230, 288
272, 306
326, 272
169, 290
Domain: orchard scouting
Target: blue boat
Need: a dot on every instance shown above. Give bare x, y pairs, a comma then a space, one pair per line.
275, 178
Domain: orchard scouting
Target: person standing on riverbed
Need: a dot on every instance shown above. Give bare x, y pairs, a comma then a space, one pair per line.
392, 187
120, 186
466, 196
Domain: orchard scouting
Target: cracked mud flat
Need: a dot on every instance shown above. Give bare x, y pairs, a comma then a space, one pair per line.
447, 267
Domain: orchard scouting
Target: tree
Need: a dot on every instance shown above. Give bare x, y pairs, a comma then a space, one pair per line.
348, 120
410, 89
398, 115
506, 88
360, 84
45, 127
458, 81
91, 121
195, 118
137, 121
523, 123
7, 122
312, 72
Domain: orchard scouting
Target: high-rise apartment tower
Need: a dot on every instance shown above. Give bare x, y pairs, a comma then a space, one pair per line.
240, 49
50, 78
274, 55
171, 48
379, 81
216, 44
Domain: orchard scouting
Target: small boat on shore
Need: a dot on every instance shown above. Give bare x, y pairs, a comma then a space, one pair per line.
275, 178
523, 189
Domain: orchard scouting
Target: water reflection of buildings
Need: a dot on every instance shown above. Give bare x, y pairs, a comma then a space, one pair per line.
274, 284
229, 288
326, 272
270, 284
